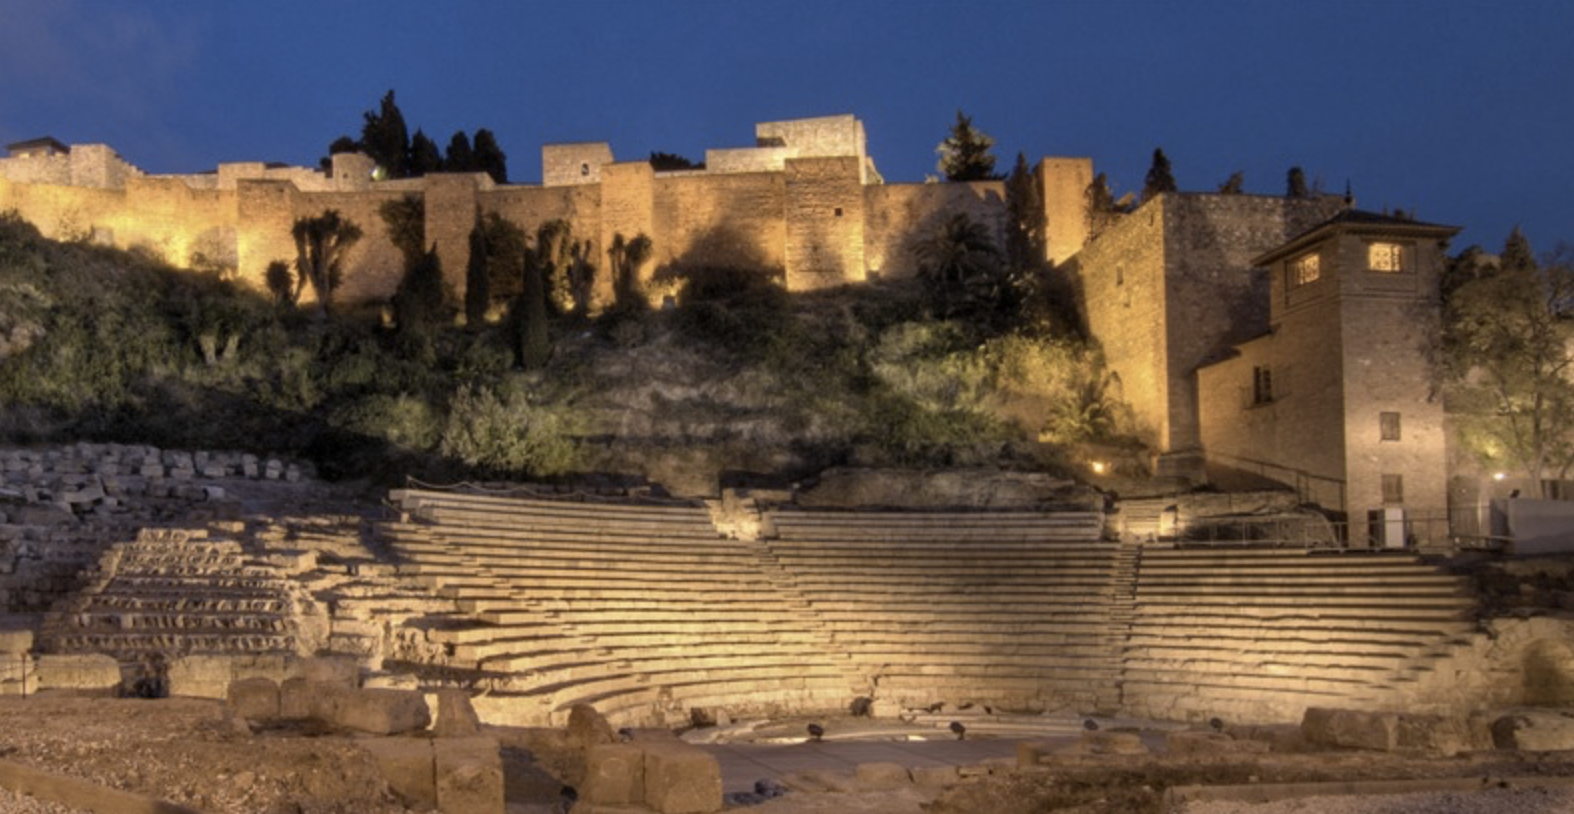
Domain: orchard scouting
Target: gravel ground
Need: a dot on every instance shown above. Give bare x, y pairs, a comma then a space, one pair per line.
13, 803
1494, 801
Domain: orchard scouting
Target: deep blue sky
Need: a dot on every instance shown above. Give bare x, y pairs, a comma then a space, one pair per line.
1461, 110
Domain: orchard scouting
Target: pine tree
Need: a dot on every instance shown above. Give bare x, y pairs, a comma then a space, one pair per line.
385, 139
1160, 179
489, 157
1517, 258
964, 155
1295, 184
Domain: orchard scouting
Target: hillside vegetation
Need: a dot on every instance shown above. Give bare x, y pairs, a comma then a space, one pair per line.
99, 344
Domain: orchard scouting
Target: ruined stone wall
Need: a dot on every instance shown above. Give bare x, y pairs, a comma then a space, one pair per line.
628, 208
825, 223
574, 164
1063, 185
898, 216
725, 219
1119, 280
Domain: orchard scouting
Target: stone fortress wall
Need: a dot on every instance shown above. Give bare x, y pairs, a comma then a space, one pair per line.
805, 199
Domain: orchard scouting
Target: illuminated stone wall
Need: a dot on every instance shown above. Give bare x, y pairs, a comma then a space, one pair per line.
1170, 287
897, 216
1063, 186
574, 164
1119, 278
825, 223
721, 219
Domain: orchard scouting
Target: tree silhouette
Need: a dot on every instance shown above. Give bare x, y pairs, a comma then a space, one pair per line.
625, 257
385, 138
1159, 179
489, 157
964, 155
460, 157
1295, 184
424, 155
320, 246
1025, 248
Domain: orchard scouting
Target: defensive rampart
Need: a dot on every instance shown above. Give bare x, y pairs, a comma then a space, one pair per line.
805, 201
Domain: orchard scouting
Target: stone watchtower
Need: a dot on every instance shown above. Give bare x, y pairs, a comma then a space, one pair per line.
1340, 398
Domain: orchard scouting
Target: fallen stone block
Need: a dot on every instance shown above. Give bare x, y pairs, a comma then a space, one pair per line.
587, 727
16, 641
456, 718
1534, 731
381, 711
86, 674
255, 699
344, 671
407, 765
297, 698
934, 778
883, 776
1351, 729
469, 776
681, 779
1194, 745
1104, 742
614, 774
1444, 735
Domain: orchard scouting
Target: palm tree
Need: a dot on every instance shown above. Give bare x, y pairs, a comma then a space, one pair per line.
959, 258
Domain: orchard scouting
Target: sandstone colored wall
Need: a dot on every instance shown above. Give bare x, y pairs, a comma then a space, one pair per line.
1119, 280
825, 223
720, 219
1063, 185
898, 216
574, 164
628, 208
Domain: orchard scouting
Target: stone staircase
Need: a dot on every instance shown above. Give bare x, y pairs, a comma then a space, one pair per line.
172, 593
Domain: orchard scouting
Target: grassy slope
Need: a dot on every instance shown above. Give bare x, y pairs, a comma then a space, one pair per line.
101, 344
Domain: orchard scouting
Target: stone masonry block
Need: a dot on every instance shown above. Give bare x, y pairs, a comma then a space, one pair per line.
381, 711
469, 776
344, 671
614, 774
408, 766
16, 641
1351, 729
91, 674
681, 779
456, 718
255, 699
296, 699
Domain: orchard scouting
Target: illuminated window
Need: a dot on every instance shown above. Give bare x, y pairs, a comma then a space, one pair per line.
1305, 269
1390, 426
1393, 488
1385, 257
1262, 385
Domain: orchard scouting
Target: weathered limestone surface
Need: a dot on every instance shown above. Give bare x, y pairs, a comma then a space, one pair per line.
89, 673
614, 774
681, 779
469, 776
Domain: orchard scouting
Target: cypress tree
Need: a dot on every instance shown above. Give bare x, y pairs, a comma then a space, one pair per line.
1295, 184
424, 155
478, 289
1025, 207
489, 157
1517, 256
385, 138
460, 157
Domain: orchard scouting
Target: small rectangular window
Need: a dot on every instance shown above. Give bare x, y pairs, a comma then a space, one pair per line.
1393, 489
838, 211
1305, 269
1385, 257
1262, 385
1390, 426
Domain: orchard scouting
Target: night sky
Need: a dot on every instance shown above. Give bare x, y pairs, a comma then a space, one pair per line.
1462, 111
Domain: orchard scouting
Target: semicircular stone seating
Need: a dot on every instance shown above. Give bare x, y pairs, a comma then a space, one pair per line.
647, 612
